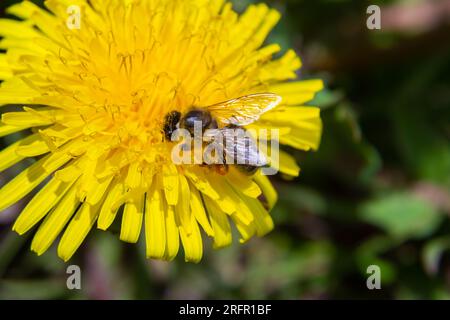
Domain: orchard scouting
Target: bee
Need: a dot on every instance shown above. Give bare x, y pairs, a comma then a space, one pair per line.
224, 118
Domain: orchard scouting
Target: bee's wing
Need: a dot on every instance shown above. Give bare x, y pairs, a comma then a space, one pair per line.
242, 149
244, 110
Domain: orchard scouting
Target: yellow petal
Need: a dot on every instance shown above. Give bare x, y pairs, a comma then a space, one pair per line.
71, 171
299, 92
242, 212
182, 209
77, 230
97, 193
243, 182
132, 219
56, 159
172, 236
171, 183
219, 223
133, 179
15, 91
17, 29
192, 242
5, 70
304, 138
198, 210
107, 212
155, 226
55, 221
9, 155
41, 203
79, 226
28, 118
6, 129
270, 20
26, 181
200, 180
87, 180
281, 69
263, 221
34, 148
47, 140
267, 188
287, 164
246, 230
22, 9
226, 202
292, 115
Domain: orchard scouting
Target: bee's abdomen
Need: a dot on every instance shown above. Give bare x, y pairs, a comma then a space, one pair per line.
247, 169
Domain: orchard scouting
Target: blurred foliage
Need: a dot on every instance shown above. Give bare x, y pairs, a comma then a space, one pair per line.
377, 191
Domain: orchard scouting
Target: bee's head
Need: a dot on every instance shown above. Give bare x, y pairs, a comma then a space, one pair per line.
170, 123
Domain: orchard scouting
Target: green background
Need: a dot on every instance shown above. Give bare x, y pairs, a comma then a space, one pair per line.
376, 193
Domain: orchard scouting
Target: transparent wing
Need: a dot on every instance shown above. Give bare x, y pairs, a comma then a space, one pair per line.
244, 110
240, 148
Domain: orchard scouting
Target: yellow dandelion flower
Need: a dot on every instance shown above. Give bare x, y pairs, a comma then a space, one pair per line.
94, 98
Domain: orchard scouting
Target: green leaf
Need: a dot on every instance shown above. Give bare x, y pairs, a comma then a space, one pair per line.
34, 289
368, 254
302, 199
402, 215
9, 248
432, 254
327, 98
425, 151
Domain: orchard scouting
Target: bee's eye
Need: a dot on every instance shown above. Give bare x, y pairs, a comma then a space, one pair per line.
173, 117
170, 123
